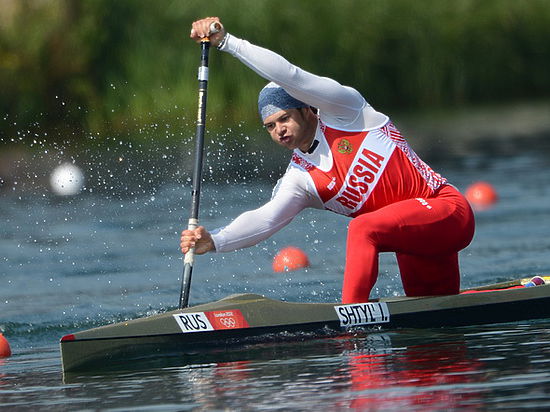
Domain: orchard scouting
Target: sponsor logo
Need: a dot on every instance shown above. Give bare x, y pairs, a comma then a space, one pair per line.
424, 202
358, 314
345, 147
332, 183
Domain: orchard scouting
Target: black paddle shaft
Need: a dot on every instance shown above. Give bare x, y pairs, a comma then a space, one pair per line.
197, 171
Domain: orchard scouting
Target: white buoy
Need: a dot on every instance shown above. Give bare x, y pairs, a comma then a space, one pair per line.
66, 179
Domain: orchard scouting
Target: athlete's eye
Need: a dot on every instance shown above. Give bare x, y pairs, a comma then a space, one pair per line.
269, 127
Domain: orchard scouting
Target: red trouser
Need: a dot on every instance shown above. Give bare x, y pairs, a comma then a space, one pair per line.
426, 235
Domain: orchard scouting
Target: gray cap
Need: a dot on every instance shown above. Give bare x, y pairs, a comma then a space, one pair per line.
273, 98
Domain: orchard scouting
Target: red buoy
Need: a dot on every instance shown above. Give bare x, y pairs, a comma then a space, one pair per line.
481, 195
290, 258
5, 349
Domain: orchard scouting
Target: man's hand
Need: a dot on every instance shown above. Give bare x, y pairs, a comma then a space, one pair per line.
199, 238
202, 28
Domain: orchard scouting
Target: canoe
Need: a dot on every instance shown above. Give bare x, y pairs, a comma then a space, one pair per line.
245, 319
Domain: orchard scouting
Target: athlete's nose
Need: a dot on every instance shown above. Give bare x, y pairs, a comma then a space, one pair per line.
281, 130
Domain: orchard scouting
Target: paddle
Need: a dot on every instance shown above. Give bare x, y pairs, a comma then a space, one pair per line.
197, 168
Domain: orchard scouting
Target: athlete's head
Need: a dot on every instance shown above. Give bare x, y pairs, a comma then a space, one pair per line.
273, 98
290, 122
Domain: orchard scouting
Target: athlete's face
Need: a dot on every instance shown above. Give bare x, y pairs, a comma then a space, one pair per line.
292, 128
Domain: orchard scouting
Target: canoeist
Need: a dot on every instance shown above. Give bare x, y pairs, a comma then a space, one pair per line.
350, 159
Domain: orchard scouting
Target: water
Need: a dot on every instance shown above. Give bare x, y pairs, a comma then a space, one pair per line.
73, 263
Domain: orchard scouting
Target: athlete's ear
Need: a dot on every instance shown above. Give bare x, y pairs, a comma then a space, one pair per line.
305, 111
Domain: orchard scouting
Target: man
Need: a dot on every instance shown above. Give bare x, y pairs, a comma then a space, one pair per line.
350, 159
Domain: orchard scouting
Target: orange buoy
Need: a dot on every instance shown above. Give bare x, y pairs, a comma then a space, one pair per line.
481, 195
290, 258
5, 349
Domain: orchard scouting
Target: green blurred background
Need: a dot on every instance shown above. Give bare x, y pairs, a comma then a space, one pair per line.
71, 68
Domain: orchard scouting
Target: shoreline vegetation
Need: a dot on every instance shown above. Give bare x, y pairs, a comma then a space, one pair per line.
98, 66
79, 77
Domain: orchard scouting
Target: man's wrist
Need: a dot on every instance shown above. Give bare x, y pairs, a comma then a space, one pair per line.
222, 42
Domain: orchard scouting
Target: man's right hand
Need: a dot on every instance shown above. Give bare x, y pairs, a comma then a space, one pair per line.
200, 239
201, 29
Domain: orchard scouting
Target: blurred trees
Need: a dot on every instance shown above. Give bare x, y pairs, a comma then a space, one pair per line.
75, 67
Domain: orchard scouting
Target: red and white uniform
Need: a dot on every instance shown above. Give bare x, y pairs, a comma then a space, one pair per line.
369, 170
363, 168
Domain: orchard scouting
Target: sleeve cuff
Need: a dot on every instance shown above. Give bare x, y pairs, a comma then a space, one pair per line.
229, 44
217, 238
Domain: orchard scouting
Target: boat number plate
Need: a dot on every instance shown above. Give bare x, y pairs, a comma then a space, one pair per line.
358, 314
214, 320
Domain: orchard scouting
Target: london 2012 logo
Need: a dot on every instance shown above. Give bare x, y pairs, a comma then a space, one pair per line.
345, 147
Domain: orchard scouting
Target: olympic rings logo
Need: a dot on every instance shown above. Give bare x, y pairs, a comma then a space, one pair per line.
228, 322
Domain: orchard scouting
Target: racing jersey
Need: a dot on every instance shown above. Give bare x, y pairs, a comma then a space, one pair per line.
360, 161
369, 170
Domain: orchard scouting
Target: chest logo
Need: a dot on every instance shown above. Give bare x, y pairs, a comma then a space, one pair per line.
345, 147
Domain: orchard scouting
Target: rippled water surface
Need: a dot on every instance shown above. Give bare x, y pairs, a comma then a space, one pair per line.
69, 264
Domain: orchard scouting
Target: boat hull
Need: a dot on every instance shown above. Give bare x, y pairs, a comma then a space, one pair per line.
247, 318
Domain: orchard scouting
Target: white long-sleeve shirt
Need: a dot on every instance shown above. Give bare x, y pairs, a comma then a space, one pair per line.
339, 107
